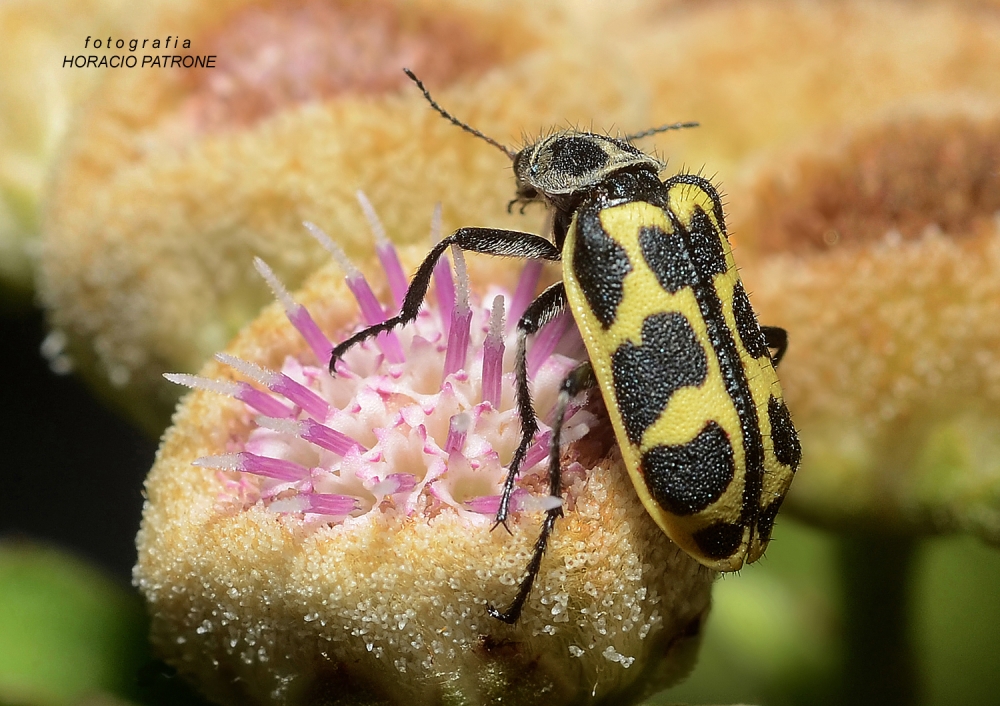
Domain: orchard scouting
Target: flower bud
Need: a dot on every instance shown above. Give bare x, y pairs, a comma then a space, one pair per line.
309, 536
879, 251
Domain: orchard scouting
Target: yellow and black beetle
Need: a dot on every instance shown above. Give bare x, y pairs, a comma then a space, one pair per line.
686, 372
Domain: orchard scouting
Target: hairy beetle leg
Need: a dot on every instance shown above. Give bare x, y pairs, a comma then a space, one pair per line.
579, 379
489, 241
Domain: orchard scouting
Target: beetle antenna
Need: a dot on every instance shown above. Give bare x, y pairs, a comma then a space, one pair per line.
455, 121
662, 128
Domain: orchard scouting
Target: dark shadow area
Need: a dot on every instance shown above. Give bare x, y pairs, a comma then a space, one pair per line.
72, 469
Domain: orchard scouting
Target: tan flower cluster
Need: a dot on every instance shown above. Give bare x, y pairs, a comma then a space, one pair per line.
258, 605
880, 252
857, 142
37, 101
174, 180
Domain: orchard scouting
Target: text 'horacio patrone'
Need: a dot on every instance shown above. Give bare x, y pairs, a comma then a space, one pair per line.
132, 59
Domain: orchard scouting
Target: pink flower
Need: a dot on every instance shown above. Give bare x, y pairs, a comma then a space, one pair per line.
347, 525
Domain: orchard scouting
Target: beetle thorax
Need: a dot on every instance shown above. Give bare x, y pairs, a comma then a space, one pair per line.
569, 162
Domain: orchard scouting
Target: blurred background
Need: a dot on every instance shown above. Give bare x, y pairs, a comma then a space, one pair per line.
848, 137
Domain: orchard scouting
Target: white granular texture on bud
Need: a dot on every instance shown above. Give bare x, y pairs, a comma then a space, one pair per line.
285, 608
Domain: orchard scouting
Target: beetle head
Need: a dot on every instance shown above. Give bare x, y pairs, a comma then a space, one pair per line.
570, 161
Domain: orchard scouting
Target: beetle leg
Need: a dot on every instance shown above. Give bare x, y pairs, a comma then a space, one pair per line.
543, 309
579, 379
777, 338
489, 241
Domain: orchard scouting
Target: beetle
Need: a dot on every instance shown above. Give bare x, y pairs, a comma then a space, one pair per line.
686, 372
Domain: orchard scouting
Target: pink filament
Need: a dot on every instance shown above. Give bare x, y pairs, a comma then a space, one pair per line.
493, 349
394, 271
329, 439
262, 402
525, 292
444, 285
484, 504
371, 310
305, 325
458, 429
296, 313
385, 251
301, 395
458, 341
401, 482
545, 342
492, 371
373, 314
489, 504
271, 467
537, 451
331, 504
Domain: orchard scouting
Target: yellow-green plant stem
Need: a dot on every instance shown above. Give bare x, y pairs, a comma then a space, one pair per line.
879, 662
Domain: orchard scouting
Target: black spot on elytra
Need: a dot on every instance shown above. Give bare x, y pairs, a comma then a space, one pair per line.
668, 258
646, 376
576, 156
687, 478
720, 540
746, 324
706, 246
765, 521
600, 265
784, 438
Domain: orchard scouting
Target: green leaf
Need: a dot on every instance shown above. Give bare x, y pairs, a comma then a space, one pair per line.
67, 633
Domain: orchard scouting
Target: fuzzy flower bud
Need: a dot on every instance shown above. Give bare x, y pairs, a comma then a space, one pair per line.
309, 535
879, 251
175, 179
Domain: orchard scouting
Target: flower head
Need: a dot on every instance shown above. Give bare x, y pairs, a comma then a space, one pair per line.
311, 532
174, 180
